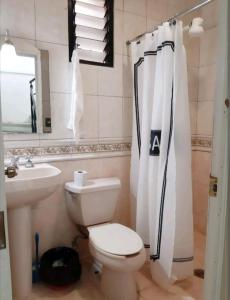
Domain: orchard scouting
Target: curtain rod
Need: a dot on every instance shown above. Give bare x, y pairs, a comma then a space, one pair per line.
180, 14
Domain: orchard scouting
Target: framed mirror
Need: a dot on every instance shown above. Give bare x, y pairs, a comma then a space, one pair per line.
25, 92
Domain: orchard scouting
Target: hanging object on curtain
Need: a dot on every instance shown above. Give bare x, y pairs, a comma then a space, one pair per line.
161, 153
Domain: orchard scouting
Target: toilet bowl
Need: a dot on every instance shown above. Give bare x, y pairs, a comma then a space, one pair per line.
120, 250
116, 247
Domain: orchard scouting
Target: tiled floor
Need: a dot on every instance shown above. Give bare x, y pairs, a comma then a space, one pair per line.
88, 287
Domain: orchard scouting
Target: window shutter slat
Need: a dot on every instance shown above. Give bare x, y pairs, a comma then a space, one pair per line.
100, 3
90, 33
91, 55
93, 45
90, 10
88, 21
93, 30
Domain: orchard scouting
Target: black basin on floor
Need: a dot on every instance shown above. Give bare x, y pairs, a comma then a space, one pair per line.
60, 266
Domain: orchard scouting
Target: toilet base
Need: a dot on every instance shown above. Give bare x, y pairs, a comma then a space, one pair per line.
118, 285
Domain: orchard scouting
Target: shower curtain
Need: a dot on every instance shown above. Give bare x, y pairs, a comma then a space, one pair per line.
161, 180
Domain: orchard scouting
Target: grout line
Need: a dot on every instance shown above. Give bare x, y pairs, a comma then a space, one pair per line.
34, 40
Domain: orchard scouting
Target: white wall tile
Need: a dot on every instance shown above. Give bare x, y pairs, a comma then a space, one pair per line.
119, 4
192, 47
193, 83
208, 47
90, 118
205, 118
207, 82
110, 79
174, 6
118, 31
110, 117
193, 116
53, 224
59, 66
210, 14
157, 9
60, 109
19, 17
135, 6
89, 74
133, 26
127, 117
52, 21
151, 24
27, 141
127, 77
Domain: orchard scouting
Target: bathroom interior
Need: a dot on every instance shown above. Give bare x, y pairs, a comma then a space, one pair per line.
100, 144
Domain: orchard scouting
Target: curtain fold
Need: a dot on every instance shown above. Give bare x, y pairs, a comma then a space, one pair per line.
161, 181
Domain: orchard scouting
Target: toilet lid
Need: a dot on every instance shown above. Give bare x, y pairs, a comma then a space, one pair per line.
115, 239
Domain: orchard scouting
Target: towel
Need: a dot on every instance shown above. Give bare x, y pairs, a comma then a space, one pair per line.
77, 99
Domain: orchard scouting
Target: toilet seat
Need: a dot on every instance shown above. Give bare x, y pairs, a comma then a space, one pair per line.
115, 239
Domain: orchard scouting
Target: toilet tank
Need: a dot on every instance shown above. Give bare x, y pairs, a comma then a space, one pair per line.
93, 203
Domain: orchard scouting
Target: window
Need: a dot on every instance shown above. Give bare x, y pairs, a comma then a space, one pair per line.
91, 31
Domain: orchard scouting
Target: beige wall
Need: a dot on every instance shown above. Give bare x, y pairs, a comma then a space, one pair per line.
203, 116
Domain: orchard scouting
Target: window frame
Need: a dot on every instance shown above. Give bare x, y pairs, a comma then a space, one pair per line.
72, 33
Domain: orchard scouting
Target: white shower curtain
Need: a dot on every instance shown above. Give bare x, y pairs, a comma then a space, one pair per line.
161, 153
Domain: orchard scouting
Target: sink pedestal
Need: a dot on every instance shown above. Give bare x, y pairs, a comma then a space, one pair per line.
20, 240
30, 186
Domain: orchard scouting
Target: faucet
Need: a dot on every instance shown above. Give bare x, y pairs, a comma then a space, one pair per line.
10, 172
29, 163
14, 160
11, 169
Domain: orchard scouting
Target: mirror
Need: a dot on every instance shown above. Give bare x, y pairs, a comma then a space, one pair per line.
25, 93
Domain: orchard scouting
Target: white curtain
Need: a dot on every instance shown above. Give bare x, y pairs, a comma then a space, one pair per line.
161, 180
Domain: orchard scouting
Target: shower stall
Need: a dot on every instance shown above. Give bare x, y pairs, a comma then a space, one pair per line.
154, 211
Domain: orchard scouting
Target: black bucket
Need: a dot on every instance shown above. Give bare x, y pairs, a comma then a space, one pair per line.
60, 266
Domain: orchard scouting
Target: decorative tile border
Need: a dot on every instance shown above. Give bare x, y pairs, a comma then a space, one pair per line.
198, 142
68, 149
202, 142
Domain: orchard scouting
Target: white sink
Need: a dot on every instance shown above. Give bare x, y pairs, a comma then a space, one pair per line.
22, 192
31, 185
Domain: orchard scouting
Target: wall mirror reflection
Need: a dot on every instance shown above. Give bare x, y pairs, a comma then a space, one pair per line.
25, 92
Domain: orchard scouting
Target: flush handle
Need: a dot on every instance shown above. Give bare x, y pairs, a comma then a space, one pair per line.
2, 231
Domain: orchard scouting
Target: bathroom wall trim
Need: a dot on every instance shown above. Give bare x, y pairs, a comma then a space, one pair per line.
202, 143
69, 152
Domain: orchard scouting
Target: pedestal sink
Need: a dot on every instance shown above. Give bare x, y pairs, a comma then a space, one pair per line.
22, 192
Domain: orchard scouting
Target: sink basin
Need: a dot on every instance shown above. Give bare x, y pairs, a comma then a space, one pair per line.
31, 185
22, 192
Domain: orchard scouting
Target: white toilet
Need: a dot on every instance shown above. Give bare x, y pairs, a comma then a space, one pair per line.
118, 248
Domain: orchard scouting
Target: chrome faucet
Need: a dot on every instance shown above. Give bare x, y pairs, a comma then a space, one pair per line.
14, 160
29, 163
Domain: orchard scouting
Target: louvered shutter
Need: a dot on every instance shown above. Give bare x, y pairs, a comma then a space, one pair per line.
93, 29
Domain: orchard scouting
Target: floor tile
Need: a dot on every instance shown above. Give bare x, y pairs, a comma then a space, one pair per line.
88, 288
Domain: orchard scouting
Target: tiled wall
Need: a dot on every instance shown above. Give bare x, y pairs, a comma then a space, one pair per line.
50, 217
203, 112
108, 98
201, 59
108, 91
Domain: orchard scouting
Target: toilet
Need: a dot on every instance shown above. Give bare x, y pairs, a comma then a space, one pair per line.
118, 248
